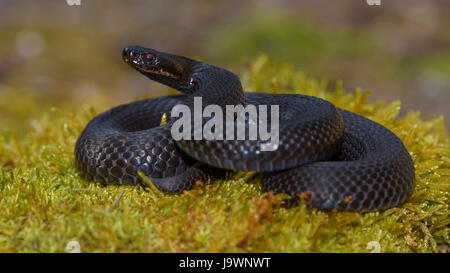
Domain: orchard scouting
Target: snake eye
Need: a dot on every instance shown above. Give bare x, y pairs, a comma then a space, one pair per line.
149, 56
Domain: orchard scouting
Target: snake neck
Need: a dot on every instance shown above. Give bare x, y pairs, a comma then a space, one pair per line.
216, 85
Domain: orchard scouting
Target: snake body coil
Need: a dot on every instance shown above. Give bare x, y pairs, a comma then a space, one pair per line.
334, 158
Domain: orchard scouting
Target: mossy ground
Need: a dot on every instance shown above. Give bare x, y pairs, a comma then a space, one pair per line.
44, 204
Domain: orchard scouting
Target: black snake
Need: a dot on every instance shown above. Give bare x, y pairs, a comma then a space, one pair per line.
332, 158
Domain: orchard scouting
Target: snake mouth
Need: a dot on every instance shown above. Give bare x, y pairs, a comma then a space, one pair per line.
160, 72
152, 63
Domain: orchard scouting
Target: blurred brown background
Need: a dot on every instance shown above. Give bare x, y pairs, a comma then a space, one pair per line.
53, 54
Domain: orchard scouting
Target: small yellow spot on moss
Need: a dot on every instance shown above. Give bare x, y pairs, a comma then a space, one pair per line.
163, 119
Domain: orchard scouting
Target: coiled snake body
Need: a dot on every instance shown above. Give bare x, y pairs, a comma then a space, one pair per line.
334, 158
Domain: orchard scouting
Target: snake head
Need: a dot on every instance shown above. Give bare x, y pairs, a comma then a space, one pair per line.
165, 68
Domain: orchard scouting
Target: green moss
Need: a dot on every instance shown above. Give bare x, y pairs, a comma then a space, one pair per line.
44, 204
